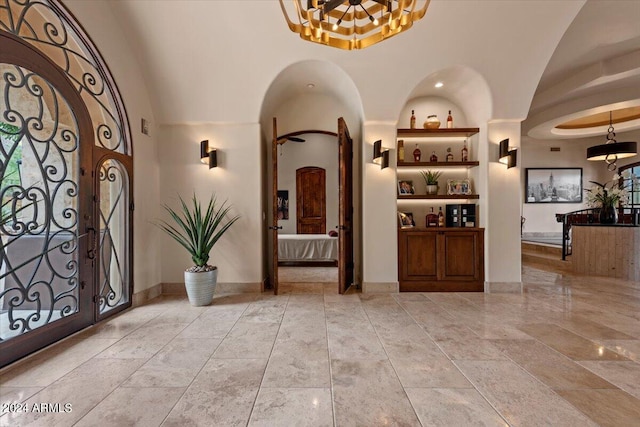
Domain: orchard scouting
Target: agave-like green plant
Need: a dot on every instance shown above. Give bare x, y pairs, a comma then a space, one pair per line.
198, 230
430, 177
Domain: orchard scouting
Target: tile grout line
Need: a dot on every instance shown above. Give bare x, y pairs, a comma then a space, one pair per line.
255, 399
395, 372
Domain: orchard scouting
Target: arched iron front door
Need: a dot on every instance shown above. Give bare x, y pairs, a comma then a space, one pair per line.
48, 224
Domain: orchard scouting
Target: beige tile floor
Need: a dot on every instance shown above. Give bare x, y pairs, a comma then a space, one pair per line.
564, 353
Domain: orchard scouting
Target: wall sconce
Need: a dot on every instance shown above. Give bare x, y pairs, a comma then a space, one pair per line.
208, 155
506, 156
380, 156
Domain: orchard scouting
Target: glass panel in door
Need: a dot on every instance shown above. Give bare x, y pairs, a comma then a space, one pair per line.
40, 266
113, 261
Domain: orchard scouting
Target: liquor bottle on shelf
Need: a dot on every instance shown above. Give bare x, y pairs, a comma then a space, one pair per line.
433, 157
449, 121
401, 150
465, 152
432, 219
449, 155
417, 154
412, 121
440, 218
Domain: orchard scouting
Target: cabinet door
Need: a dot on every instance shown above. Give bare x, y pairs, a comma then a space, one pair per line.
419, 250
460, 255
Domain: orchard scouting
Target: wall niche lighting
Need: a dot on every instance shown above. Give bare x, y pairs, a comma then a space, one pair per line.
507, 156
208, 155
380, 156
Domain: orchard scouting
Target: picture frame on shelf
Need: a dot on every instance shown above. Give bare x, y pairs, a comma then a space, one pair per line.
459, 187
553, 185
405, 220
405, 187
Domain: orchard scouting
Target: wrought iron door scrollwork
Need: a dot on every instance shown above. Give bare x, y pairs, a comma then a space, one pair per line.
38, 231
113, 275
49, 27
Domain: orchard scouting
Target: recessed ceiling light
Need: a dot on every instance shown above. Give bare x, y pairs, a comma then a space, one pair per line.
310, 85
439, 84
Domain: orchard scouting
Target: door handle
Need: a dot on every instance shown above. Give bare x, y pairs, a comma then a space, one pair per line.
271, 227
93, 243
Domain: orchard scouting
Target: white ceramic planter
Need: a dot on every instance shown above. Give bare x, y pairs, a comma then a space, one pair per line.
200, 286
432, 189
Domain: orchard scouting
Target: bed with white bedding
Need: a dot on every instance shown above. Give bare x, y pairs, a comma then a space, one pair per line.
307, 248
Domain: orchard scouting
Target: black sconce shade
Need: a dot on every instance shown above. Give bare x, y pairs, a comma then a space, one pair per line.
208, 155
380, 156
213, 158
385, 159
204, 151
506, 156
377, 151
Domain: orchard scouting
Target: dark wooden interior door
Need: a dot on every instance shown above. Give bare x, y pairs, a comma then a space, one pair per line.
311, 200
273, 267
345, 214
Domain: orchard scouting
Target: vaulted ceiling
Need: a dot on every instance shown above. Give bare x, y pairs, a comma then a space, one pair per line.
595, 69
216, 61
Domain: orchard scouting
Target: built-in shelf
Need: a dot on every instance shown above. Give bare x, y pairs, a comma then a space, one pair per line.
440, 164
437, 196
443, 132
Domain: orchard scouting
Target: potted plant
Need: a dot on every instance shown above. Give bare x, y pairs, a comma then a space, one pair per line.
431, 180
607, 196
198, 230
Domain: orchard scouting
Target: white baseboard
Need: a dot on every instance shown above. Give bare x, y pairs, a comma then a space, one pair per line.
146, 295
221, 288
503, 287
380, 287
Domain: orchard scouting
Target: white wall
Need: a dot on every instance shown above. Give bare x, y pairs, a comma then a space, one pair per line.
106, 33
540, 218
237, 179
502, 213
317, 150
380, 238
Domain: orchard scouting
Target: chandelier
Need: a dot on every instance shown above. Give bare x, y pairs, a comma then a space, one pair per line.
353, 24
612, 150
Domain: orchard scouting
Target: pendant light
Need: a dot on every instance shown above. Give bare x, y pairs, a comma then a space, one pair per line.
612, 150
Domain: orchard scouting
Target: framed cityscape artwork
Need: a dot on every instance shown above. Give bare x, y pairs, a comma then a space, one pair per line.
553, 185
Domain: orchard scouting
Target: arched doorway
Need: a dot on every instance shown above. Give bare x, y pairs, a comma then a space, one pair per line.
66, 168
329, 94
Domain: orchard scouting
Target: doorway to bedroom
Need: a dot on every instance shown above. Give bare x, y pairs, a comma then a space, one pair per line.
311, 103
313, 208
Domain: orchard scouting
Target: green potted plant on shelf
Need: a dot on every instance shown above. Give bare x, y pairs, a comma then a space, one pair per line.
431, 180
198, 230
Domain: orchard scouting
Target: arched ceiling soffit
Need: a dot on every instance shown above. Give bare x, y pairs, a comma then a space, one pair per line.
461, 85
307, 79
594, 69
